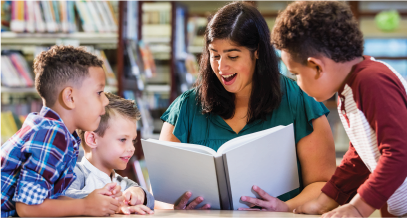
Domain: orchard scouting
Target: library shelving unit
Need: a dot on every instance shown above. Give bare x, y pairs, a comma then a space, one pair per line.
164, 28
22, 42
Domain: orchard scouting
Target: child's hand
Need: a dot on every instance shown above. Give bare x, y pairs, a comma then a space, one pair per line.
114, 191
99, 202
134, 196
138, 209
347, 210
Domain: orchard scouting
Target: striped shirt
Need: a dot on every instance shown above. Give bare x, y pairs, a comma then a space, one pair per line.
37, 162
372, 106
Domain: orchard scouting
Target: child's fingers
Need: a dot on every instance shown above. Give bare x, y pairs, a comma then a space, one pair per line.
127, 196
138, 210
146, 209
125, 210
120, 199
133, 200
116, 189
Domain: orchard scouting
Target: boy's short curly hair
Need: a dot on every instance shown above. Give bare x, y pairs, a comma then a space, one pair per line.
312, 28
59, 66
117, 106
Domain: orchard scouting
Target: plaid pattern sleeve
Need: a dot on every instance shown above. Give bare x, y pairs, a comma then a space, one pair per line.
37, 162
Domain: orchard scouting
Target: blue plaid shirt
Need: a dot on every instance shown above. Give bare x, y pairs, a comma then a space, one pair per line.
37, 162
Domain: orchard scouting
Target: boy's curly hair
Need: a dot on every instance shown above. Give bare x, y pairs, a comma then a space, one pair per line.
312, 28
60, 66
117, 106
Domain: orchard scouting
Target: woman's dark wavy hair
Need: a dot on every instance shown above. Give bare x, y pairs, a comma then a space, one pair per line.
243, 25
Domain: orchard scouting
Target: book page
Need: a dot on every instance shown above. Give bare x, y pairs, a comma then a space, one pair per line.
185, 146
239, 141
174, 171
270, 162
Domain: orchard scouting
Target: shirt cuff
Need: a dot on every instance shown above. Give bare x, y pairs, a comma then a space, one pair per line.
335, 193
149, 200
371, 197
30, 193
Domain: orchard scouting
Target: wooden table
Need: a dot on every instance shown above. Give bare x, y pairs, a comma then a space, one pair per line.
216, 213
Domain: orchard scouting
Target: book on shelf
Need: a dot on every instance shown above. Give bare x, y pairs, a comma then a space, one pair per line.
5, 15
148, 60
222, 177
15, 71
58, 16
110, 76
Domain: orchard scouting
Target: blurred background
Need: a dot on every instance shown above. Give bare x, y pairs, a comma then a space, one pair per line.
151, 52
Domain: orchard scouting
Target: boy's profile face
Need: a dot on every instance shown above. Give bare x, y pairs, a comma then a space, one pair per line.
116, 146
317, 85
90, 100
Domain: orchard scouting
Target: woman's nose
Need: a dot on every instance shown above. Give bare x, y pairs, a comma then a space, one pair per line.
223, 65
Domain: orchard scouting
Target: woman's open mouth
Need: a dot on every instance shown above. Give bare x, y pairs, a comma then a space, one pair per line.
229, 79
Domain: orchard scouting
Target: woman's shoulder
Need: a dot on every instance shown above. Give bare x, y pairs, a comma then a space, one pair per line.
184, 104
290, 88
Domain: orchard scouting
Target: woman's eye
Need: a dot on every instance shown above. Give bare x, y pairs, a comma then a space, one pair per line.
233, 58
216, 57
122, 140
99, 93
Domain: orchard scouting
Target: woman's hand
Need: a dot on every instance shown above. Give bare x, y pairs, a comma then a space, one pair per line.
183, 203
267, 202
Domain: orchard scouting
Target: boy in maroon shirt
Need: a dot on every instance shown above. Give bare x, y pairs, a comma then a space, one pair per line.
322, 45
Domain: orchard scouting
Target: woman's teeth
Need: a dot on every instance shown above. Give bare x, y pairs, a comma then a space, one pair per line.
227, 76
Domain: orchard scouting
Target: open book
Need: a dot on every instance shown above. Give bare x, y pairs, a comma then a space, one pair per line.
266, 159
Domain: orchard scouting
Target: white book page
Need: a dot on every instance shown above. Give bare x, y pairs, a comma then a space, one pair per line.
239, 141
174, 171
185, 146
270, 162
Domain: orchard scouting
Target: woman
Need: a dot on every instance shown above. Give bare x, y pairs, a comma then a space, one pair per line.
240, 91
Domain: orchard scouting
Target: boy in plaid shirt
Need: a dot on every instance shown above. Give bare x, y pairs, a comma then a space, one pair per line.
37, 163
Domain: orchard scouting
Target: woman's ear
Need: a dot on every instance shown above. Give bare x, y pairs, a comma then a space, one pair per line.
256, 54
91, 139
316, 64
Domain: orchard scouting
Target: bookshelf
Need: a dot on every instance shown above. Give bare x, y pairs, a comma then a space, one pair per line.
23, 39
162, 27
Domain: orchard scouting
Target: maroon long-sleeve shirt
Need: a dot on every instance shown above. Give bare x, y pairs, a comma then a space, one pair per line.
372, 106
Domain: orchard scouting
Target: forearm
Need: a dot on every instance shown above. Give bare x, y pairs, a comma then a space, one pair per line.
63, 206
310, 192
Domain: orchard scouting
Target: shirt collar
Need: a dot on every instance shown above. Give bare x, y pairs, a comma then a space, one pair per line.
98, 172
48, 113
352, 74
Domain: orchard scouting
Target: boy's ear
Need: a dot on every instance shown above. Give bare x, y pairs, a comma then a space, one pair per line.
317, 64
91, 139
67, 97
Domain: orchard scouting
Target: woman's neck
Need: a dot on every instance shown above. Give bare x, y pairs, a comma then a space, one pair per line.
242, 98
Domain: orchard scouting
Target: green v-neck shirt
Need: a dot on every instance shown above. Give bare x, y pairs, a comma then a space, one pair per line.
191, 126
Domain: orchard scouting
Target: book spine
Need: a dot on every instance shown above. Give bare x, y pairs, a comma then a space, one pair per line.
110, 16
96, 19
39, 20
63, 11
17, 23
30, 17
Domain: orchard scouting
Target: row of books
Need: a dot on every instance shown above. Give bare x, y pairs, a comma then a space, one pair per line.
157, 17
15, 71
58, 16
